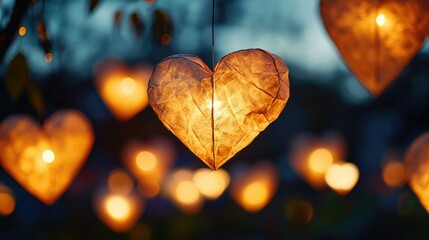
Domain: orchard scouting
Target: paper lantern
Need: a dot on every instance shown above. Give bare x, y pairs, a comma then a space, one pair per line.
45, 160
216, 114
342, 177
377, 39
312, 156
416, 167
119, 212
211, 184
254, 188
149, 162
182, 191
7, 201
393, 174
123, 89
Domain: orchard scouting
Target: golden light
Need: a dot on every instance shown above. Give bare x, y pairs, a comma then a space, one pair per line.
377, 39
149, 188
127, 86
380, 20
45, 160
416, 168
7, 201
149, 162
120, 212
146, 161
320, 160
251, 95
211, 184
48, 57
22, 31
182, 191
117, 207
312, 156
254, 188
394, 174
48, 156
123, 89
342, 177
120, 182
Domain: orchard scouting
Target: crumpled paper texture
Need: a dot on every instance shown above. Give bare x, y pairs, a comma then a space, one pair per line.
251, 88
67, 133
416, 167
376, 55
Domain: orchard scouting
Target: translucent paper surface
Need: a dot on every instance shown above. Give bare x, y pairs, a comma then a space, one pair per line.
377, 39
251, 88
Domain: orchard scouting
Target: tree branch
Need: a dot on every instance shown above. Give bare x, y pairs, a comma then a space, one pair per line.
7, 34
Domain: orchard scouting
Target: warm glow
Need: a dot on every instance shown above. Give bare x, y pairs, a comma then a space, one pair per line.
123, 89
251, 90
187, 192
120, 182
255, 195
48, 57
44, 160
48, 156
7, 201
342, 177
210, 183
146, 161
149, 188
22, 31
320, 160
380, 20
118, 207
127, 86
394, 174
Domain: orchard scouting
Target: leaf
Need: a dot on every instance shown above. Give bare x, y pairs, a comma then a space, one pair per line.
137, 24
35, 97
17, 76
41, 30
161, 26
92, 5
117, 17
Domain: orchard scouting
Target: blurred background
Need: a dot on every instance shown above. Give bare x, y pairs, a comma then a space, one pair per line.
154, 182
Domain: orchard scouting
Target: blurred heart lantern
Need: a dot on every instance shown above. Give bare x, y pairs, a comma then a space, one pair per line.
254, 188
45, 160
216, 114
123, 89
377, 39
416, 167
342, 177
211, 184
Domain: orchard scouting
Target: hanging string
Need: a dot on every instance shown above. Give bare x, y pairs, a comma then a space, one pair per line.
213, 40
213, 87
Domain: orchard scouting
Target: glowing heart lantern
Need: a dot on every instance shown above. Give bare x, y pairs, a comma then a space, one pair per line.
216, 114
416, 167
312, 156
123, 89
253, 188
342, 177
149, 162
377, 39
119, 207
45, 160
211, 184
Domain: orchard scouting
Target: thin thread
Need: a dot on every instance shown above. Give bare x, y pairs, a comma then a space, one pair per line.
377, 46
213, 88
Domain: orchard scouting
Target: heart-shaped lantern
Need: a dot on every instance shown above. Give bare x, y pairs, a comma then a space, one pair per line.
253, 188
342, 177
416, 167
122, 88
312, 156
211, 184
45, 160
216, 114
377, 39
